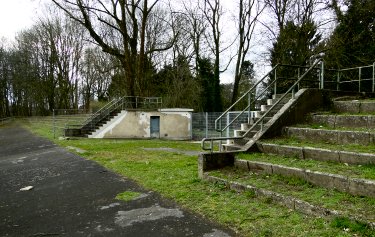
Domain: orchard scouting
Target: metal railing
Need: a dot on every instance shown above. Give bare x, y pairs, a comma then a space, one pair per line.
260, 121
361, 77
252, 95
118, 104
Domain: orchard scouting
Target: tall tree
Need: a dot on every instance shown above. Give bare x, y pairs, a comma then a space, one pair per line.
353, 40
127, 21
213, 12
248, 13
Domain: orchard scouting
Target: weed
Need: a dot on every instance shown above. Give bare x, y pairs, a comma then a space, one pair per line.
352, 226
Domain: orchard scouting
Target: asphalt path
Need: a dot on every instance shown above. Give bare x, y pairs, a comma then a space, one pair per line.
67, 195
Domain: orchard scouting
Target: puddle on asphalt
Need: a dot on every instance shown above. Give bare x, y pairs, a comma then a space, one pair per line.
216, 233
128, 218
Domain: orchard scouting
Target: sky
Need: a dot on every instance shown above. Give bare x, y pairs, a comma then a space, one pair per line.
17, 15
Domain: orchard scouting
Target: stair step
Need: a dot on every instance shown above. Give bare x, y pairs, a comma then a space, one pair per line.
354, 106
242, 142
278, 96
295, 195
343, 183
330, 136
240, 133
267, 107
354, 158
349, 121
231, 147
265, 120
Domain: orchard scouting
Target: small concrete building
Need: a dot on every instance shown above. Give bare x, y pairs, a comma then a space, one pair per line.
173, 124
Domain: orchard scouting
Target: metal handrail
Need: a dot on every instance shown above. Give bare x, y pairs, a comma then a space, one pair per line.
248, 93
203, 142
339, 71
117, 104
243, 96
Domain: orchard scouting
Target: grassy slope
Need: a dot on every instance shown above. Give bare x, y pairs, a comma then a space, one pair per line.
174, 175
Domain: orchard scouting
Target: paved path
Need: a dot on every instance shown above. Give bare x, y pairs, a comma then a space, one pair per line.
72, 196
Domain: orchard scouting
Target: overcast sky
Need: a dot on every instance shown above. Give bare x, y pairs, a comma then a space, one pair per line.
17, 15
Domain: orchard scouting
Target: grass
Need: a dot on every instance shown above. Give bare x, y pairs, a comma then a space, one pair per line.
291, 186
174, 176
292, 141
356, 226
127, 196
353, 171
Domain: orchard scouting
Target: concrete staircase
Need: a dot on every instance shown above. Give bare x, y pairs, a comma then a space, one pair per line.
270, 110
324, 167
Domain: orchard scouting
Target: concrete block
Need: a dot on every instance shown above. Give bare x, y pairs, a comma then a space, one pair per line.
362, 187
291, 151
367, 107
268, 148
318, 135
357, 158
351, 121
283, 200
237, 186
327, 180
309, 209
241, 165
212, 161
259, 167
329, 120
371, 121
288, 171
346, 107
321, 154
354, 137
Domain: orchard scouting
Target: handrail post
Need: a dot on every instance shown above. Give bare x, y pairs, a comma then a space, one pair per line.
228, 115
206, 125
298, 74
338, 80
359, 79
275, 85
249, 111
322, 75
373, 77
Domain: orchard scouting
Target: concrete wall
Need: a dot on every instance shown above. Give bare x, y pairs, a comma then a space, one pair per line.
175, 124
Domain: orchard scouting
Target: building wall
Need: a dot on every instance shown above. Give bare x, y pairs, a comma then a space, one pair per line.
175, 124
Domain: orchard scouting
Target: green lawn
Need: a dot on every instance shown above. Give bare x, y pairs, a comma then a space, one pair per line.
174, 175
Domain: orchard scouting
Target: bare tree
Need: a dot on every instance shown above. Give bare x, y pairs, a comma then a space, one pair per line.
127, 20
248, 13
213, 12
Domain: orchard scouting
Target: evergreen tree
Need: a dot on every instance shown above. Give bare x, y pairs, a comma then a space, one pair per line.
209, 96
353, 40
294, 46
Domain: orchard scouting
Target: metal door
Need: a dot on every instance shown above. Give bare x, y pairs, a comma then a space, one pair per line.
155, 127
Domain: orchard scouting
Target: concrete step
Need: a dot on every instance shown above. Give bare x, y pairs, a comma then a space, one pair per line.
354, 106
278, 96
319, 154
240, 133
231, 147
277, 107
349, 121
330, 136
243, 141
301, 198
346, 184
